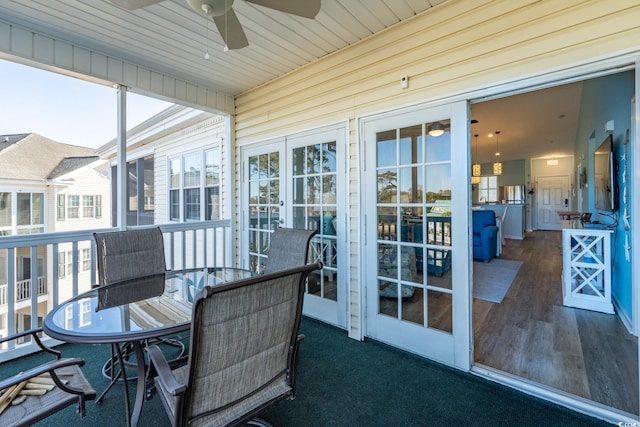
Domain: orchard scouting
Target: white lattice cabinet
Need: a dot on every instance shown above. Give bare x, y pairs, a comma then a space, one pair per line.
586, 271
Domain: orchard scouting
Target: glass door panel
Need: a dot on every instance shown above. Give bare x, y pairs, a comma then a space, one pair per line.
407, 188
314, 208
409, 174
263, 204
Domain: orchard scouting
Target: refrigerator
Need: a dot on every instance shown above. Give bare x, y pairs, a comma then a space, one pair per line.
513, 194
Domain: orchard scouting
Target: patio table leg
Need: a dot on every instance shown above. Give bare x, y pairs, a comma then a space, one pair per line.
141, 386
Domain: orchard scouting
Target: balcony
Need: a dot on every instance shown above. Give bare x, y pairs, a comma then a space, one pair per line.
24, 303
23, 291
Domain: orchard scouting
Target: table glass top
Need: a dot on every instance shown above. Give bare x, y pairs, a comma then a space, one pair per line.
137, 308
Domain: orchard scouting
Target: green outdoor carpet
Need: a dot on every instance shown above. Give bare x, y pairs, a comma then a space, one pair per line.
343, 382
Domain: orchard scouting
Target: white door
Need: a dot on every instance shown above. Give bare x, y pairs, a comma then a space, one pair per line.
553, 196
299, 183
416, 260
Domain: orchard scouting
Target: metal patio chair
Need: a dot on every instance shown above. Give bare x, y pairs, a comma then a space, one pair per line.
124, 255
242, 352
69, 387
288, 247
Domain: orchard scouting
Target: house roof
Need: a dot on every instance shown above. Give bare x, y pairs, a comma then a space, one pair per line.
70, 164
34, 157
8, 140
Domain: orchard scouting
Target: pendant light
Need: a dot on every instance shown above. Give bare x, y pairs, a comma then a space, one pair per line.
476, 169
497, 166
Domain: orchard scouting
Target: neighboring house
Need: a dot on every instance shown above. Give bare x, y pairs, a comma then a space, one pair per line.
47, 186
174, 159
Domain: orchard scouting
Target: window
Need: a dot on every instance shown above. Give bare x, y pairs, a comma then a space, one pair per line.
174, 185
73, 207
194, 186
5, 214
69, 206
86, 259
191, 182
65, 264
88, 207
30, 212
488, 188
140, 192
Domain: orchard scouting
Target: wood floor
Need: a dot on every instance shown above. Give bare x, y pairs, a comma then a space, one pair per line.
533, 336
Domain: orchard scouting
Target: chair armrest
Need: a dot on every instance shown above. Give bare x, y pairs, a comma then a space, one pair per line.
34, 333
489, 231
48, 367
165, 375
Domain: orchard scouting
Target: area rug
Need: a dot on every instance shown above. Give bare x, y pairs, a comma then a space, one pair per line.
492, 280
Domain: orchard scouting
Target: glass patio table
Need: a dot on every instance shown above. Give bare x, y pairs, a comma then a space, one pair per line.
134, 311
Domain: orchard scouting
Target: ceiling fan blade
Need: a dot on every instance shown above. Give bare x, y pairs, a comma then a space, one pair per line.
304, 8
231, 30
134, 4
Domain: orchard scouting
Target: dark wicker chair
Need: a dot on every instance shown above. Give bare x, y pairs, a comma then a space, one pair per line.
124, 255
288, 247
242, 353
71, 387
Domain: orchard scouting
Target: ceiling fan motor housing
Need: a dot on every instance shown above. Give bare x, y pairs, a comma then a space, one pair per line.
211, 7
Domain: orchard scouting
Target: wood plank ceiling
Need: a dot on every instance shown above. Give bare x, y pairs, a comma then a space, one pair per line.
171, 38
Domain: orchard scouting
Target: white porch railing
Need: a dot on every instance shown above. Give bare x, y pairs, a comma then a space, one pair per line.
187, 245
23, 290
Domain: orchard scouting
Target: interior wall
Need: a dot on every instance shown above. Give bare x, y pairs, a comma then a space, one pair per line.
604, 99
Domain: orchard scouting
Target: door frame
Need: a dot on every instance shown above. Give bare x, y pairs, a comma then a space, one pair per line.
545, 78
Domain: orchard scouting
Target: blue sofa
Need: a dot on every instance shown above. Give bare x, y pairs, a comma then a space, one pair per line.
485, 235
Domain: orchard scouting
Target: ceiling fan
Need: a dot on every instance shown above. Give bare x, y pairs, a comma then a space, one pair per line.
225, 18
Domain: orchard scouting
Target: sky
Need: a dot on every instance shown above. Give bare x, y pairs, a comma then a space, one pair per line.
65, 109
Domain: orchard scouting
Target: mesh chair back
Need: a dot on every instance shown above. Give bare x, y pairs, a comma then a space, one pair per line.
288, 247
243, 344
124, 255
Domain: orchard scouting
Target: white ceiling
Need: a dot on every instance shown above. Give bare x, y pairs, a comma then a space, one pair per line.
536, 124
172, 38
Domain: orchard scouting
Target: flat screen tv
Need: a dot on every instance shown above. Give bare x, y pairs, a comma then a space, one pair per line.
604, 176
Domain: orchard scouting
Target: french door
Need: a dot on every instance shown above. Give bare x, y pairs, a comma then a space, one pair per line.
299, 182
416, 189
